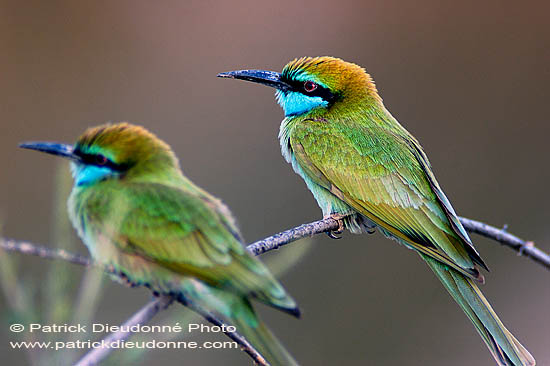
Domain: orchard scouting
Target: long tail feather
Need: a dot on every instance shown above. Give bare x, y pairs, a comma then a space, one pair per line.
264, 342
237, 311
505, 348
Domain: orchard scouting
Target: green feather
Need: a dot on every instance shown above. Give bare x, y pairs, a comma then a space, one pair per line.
136, 212
356, 158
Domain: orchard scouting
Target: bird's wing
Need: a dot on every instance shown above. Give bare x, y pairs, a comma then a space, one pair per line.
387, 178
183, 233
221, 209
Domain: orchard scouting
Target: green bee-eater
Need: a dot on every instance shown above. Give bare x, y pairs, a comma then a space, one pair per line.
367, 171
136, 211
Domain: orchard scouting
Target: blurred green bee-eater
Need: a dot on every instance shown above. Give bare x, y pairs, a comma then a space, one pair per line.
136, 211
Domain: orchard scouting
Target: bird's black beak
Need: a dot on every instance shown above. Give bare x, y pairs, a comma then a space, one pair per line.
269, 78
54, 148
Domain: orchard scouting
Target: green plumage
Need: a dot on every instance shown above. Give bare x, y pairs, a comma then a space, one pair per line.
136, 212
358, 161
375, 171
173, 230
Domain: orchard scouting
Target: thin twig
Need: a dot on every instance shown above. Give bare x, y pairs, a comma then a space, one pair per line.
288, 236
146, 313
521, 246
24, 247
262, 246
142, 316
239, 339
526, 248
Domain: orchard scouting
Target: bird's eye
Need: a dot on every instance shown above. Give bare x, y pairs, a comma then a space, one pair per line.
309, 86
100, 159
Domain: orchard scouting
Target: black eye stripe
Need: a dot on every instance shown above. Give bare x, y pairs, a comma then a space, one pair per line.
320, 91
99, 160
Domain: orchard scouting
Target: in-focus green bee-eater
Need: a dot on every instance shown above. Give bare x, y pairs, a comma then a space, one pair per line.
367, 171
136, 211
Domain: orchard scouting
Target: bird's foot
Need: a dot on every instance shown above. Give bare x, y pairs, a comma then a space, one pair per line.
333, 234
123, 278
369, 229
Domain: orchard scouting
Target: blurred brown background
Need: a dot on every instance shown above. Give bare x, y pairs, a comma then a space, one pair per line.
470, 80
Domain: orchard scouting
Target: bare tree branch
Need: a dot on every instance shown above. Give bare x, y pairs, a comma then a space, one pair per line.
288, 236
142, 316
24, 247
239, 339
521, 246
145, 314
276, 241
